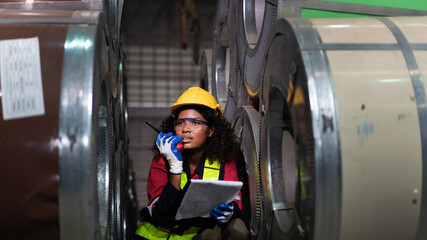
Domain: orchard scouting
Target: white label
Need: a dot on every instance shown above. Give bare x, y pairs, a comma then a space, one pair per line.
21, 82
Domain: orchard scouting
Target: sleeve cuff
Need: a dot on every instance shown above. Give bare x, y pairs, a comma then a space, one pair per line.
165, 203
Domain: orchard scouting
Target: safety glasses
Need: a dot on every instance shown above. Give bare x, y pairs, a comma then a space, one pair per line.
191, 123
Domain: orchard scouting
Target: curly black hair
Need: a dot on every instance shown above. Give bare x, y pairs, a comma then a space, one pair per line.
222, 145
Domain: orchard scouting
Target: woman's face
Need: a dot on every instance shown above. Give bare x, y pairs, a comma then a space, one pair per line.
193, 138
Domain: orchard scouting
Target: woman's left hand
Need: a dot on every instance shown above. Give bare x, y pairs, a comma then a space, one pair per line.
222, 213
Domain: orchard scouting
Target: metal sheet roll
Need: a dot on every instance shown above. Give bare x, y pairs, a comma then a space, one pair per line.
126, 202
349, 96
246, 127
57, 127
350, 8
220, 55
206, 70
121, 102
254, 21
225, 71
111, 8
256, 18
114, 15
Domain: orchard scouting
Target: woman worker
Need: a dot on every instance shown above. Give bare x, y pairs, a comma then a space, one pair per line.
209, 151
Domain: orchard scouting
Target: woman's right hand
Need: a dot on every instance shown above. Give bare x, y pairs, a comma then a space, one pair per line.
166, 143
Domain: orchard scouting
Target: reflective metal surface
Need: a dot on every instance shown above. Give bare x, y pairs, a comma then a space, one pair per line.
353, 8
107, 154
104, 159
116, 8
253, 17
278, 152
225, 71
220, 58
71, 5
339, 99
86, 180
324, 161
111, 8
380, 91
338, 115
29, 146
255, 21
117, 199
78, 116
206, 70
419, 88
249, 139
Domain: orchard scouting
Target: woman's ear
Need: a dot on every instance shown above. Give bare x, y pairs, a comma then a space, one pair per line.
211, 131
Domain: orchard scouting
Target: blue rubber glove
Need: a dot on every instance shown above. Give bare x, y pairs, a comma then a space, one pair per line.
167, 147
222, 213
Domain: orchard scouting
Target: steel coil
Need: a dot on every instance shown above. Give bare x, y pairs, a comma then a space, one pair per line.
278, 160
111, 8
225, 71
220, 59
246, 127
348, 95
254, 19
115, 16
69, 155
206, 70
121, 101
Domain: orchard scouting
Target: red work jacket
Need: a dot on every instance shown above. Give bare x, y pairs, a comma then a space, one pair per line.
158, 184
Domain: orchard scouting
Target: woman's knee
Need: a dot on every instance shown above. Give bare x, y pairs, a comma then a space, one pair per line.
236, 229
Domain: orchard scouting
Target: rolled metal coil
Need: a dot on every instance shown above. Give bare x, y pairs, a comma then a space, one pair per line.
111, 8
278, 158
225, 72
122, 101
65, 154
115, 16
119, 103
254, 20
349, 96
350, 8
246, 127
206, 70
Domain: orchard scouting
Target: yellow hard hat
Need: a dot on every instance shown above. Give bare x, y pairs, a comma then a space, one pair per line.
197, 96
